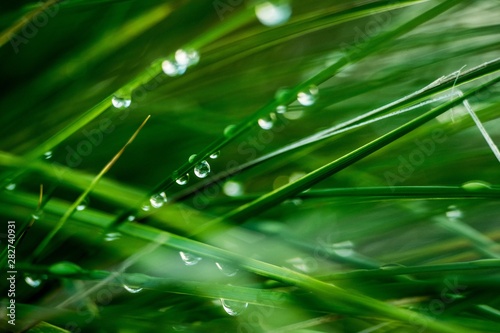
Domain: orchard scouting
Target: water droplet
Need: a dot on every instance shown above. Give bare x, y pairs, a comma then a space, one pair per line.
230, 130
232, 188
146, 207
172, 68
10, 187
391, 266
308, 96
121, 102
158, 200
233, 308
202, 169
189, 258
266, 123
132, 290
305, 265
294, 115
112, 236
32, 281
454, 213
47, 155
37, 215
227, 269
343, 249
188, 57
215, 155
192, 158
273, 13
183, 180
282, 94
83, 205
281, 109
476, 186
131, 218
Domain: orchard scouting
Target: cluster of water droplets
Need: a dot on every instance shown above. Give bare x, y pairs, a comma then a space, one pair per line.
182, 59
272, 13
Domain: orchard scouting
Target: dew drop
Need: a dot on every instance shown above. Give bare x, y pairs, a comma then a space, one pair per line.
232, 188
192, 158
202, 169
131, 218
273, 13
146, 207
281, 109
32, 281
37, 215
294, 115
305, 265
476, 186
391, 266
47, 155
172, 68
343, 249
453, 213
10, 187
121, 103
112, 236
230, 130
83, 205
158, 200
233, 308
266, 123
308, 96
227, 269
187, 58
215, 155
189, 258
183, 180
132, 290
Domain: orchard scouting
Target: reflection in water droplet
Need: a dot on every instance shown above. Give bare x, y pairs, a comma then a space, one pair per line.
183, 180
158, 200
189, 258
10, 187
309, 96
32, 281
121, 102
454, 213
172, 68
132, 290
230, 130
233, 308
187, 57
273, 13
266, 123
343, 249
215, 155
47, 155
112, 236
202, 169
227, 269
232, 188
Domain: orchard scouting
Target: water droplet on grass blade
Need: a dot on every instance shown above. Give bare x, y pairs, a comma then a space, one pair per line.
230, 130
476, 186
266, 123
233, 308
453, 213
112, 236
121, 103
83, 205
192, 158
215, 155
146, 207
189, 258
47, 155
273, 13
172, 68
309, 96
158, 200
183, 180
202, 169
343, 249
227, 269
37, 215
281, 109
32, 281
187, 58
132, 290
10, 187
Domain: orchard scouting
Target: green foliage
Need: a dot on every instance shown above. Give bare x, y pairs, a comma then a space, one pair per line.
326, 166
